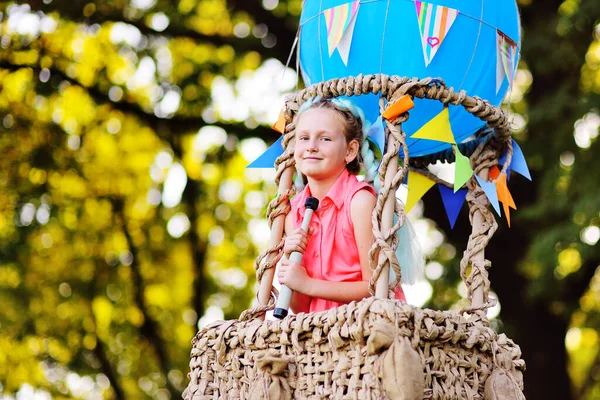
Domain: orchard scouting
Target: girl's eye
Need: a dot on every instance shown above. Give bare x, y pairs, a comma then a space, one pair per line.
326, 139
303, 138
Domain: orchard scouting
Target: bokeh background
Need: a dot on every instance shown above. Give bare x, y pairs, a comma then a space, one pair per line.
128, 219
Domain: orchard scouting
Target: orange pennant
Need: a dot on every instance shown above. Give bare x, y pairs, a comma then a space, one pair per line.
279, 125
504, 196
494, 173
400, 106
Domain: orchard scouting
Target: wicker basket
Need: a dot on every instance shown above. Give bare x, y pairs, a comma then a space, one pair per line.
377, 348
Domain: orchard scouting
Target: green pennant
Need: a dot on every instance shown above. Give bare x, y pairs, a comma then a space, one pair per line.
462, 169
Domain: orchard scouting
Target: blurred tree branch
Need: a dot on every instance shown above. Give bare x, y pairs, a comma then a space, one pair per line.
175, 29
283, 31
107, 369
150, 328
177, 125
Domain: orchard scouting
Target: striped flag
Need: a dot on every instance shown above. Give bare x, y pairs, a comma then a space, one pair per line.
340, 22
506, 59
434, 23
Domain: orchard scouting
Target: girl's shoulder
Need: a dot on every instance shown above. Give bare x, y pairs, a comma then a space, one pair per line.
362, 202
363, 196
360, 199
360, 190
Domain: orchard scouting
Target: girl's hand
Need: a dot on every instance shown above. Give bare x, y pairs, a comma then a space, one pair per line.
296, 241
293, 275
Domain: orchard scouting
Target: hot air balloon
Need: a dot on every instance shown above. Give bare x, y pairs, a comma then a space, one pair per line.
470, 46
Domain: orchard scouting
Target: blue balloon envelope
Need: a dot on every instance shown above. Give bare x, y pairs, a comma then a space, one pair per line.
387, 39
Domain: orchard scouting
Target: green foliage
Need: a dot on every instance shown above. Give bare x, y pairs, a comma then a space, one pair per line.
102, 285
127, 217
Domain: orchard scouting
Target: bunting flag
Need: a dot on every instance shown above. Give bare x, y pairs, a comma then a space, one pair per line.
279, 125
494, 173
462, 169
267, 159
518, 163
504, 195
340, 22
400, 106
438, 128
434, 23
418, 185
506, 59
377, 134
490, 191
453, 202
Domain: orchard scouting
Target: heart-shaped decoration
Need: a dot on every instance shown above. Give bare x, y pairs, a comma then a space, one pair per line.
433, 41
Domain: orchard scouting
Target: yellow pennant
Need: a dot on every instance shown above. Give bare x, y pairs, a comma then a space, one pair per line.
418, 185
438, 128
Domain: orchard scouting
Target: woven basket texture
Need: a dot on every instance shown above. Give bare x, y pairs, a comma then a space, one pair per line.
331, 354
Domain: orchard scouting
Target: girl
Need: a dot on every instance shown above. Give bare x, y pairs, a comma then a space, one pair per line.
335, 266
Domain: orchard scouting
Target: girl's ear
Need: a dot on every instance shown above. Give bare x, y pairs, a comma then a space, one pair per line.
352, 150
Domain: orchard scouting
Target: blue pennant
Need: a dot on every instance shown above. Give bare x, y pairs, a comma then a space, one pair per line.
490, 191
377, 134
518, 163
452, 202
267, 159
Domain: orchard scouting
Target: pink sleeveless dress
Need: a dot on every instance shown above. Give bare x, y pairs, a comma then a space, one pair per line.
331, 252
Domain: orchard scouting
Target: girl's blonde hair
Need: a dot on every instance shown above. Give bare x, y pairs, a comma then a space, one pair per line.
352, 120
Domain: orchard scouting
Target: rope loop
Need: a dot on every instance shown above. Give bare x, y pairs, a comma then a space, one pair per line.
390, 88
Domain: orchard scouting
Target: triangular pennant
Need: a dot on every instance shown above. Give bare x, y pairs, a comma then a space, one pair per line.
490, 191
267, 159
509, 59
346, 40
418, 185
500, 74
494, 173
505, 197
462, 169
434, 23
438, 128
453, 202
377, 134
279, 125
337, 20
518, 163
506, 59
400, 106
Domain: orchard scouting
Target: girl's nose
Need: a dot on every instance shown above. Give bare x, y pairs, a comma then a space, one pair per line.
312, 146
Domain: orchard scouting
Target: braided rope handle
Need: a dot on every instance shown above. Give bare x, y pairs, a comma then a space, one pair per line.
391, 175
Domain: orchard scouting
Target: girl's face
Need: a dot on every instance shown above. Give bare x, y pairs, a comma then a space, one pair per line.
321, 150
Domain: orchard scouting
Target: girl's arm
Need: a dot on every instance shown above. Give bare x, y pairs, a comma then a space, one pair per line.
361, 211
299, 302
295, 275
